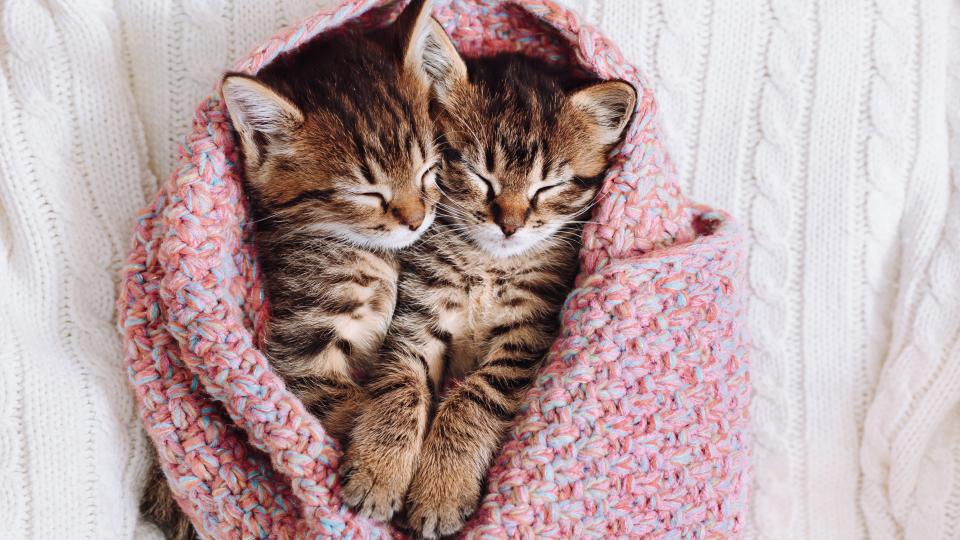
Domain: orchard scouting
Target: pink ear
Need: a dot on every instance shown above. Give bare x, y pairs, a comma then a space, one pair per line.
437, 61
609, 106
410, 24
428, 51
254, 107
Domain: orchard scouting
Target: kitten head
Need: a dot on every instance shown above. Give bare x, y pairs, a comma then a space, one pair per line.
525, 153
336, 137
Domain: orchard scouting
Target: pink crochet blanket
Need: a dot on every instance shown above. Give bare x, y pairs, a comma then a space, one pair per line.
636, 428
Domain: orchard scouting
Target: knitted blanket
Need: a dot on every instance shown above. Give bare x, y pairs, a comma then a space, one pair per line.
636, 427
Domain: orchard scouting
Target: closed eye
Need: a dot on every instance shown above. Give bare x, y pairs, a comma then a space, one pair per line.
430, 172
375, 198
545, 189
476, 174
541, 191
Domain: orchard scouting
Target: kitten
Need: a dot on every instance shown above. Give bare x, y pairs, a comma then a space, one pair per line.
480, 293
340, 163
340, 158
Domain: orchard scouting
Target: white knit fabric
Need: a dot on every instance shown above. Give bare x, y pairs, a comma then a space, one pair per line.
828, 127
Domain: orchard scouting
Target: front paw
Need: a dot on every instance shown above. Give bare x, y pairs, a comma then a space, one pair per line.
444, 493
374, 480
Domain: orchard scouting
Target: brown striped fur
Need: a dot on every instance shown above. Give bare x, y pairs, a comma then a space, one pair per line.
480, 293
340, 159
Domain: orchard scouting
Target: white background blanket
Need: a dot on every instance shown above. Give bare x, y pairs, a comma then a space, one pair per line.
829, 128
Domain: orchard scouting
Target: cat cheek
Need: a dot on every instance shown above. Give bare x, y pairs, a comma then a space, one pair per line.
432, 195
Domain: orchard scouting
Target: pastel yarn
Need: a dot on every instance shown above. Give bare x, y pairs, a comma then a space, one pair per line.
636, 428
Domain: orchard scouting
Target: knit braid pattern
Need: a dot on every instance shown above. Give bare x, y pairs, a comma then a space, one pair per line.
636, 427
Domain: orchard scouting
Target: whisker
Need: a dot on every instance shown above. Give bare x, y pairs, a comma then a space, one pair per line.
451, 200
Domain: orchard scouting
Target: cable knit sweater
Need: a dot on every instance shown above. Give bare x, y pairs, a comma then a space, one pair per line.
830, 128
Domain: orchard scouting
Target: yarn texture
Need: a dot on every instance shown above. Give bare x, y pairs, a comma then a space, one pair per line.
636, 427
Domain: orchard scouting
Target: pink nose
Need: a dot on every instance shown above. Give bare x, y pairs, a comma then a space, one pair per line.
510, 216
508, 229
411, 217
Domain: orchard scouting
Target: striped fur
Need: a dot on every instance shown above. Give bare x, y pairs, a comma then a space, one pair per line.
340, 172
480, 293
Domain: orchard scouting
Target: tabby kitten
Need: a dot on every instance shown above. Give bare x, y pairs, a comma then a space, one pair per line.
480, 293
340, 159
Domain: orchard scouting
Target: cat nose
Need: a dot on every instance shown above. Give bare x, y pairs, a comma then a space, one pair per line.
510, 217
508, 230
411, 217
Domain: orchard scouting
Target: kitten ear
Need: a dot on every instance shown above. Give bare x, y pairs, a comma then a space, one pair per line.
428, 52
254, 107
607, 107
410, 22
438, 61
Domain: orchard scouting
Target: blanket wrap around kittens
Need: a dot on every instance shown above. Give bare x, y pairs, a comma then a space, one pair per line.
636, 427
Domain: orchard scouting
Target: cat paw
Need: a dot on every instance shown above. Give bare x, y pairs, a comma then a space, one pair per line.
372, 485
441, 499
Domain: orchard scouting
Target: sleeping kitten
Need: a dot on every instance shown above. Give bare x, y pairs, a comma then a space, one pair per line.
340, 161
480, 293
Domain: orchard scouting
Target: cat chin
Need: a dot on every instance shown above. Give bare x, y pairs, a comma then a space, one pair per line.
491, 241
503, 250
396, 239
